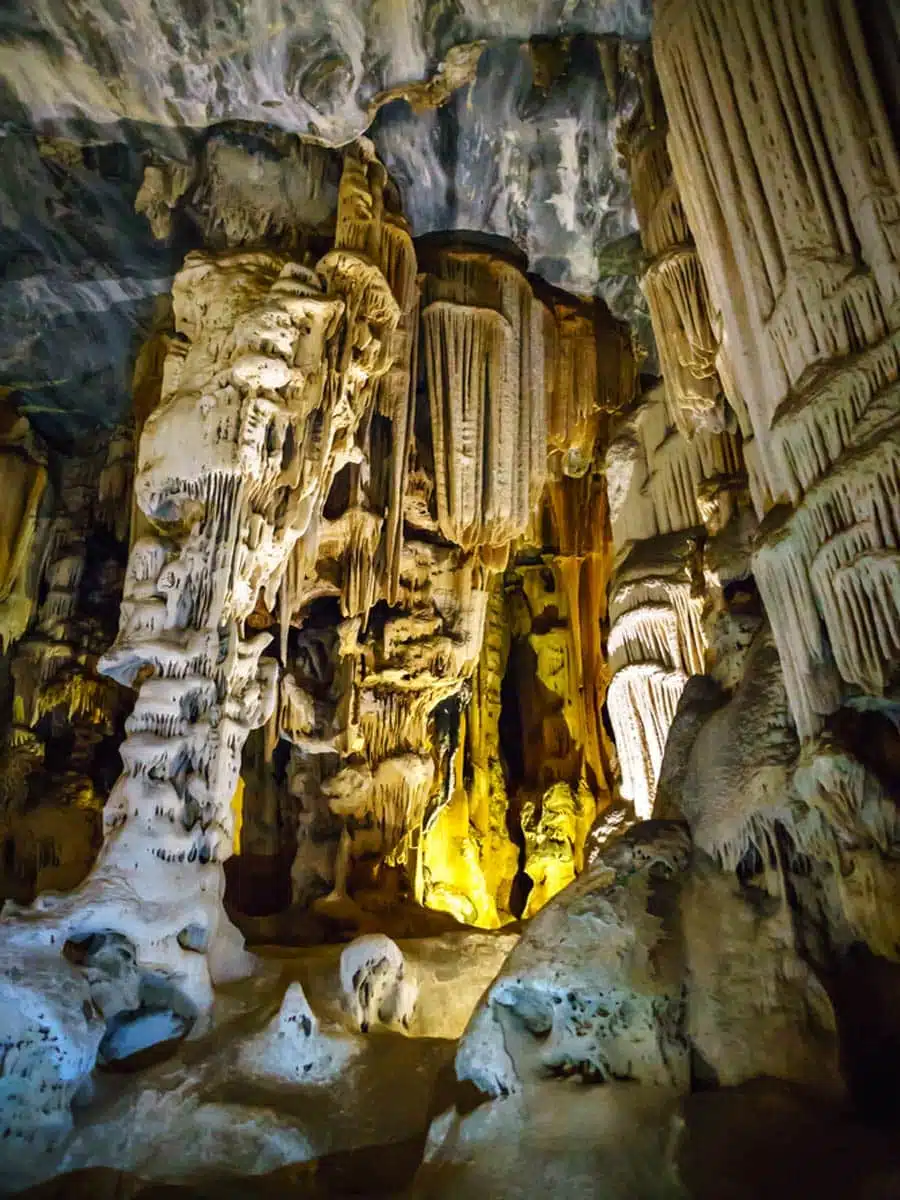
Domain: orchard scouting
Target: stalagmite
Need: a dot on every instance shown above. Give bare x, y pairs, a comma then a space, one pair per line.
261, 398
405, 667
597, 995
376, 984
555, 831
467, 858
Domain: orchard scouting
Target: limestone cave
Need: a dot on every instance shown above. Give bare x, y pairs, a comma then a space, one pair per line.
450, 599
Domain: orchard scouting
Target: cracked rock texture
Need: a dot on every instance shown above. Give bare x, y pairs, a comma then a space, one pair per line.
496, 122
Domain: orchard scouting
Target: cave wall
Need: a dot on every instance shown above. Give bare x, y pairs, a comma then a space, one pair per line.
438, 603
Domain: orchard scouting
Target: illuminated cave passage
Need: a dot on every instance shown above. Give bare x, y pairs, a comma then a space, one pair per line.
450, 600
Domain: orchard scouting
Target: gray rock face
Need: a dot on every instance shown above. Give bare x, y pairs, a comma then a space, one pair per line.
755, 1007
737, 780
526, 152
81, 273
309, 68
494, 119
595, 987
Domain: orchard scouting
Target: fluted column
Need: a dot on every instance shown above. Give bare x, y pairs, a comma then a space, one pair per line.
790, 179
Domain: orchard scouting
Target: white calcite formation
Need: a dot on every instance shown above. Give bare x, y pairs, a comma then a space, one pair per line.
484, 357
662, 488
737, 782
272, 474
273, 365
49, 1041
800, 250
374, 984
674, 281
282, 1076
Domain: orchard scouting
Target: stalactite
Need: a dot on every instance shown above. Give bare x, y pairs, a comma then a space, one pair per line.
484, 360
591, 372
799, 246
679, 305
674, 282
665, 493
584, 565
642, 700
397, 392
223, 189
24, 473
798, 242
656, 477
829, 572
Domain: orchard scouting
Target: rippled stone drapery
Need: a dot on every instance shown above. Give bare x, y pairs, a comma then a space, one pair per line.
542, 653
661, 488
673, 283
790, 178
674, 466
484, 358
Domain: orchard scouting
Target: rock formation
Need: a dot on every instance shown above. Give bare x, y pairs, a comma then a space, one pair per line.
25, 479
799, 252
66, 719
449, 729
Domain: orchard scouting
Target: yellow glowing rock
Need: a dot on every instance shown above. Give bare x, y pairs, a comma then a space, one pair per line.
237, 814
24, 478
551, 834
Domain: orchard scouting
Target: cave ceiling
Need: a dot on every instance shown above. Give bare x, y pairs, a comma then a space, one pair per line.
494, 119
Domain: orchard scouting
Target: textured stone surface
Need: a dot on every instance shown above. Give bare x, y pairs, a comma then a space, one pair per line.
81, 274
312, 69
523, 147
595, 987
527, 152
283, 1076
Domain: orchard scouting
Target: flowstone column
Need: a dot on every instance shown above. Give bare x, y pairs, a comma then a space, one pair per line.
272, 365
790, 178
673, 466
783, 152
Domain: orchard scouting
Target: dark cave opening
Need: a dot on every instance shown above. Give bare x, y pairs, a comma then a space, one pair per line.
520, 666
